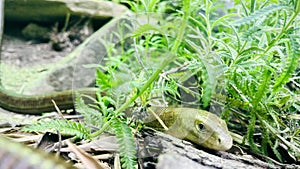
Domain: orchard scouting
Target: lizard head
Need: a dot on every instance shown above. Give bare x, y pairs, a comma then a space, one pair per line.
210, 131
198, 126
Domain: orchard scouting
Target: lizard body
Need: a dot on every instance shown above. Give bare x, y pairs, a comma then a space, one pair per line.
37, 104
198, 126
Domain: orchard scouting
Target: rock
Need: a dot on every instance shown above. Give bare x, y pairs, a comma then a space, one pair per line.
72, 71
171, 152
36, 32
175, 161
46, 11
69, 72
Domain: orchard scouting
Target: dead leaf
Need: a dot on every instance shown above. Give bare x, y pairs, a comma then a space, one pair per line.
104, 143
117, 163
86, 159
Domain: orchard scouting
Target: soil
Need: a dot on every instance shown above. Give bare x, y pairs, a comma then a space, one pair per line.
24, 57
22, 53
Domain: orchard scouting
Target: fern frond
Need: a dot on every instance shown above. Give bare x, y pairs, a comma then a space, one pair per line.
275, 150
207, 87
211, 73
265, 141
146, 28
250, 132
126, 143
262, 88
259, 14
250, 33
91, 115
65, 127
102, 80
211, 69
291, 65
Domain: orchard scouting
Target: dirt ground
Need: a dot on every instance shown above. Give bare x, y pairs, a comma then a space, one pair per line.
23, 57
22, 53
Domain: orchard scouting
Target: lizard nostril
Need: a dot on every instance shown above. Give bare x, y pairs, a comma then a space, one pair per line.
219, 140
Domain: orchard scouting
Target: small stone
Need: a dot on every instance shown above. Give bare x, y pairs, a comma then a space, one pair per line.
36, 32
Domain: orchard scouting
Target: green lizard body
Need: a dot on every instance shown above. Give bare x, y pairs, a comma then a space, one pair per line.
37, 104
198, 126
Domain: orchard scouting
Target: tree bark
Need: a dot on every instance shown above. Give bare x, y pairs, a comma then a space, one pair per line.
166, 152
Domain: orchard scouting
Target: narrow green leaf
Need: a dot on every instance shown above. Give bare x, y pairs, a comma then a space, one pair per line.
126, 143
291, 65
145, 29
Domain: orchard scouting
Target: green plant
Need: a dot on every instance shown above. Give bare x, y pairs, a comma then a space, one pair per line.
111, 107
262, 54
65, 127
245, 60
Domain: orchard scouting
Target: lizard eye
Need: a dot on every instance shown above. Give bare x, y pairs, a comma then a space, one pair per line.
201, 126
